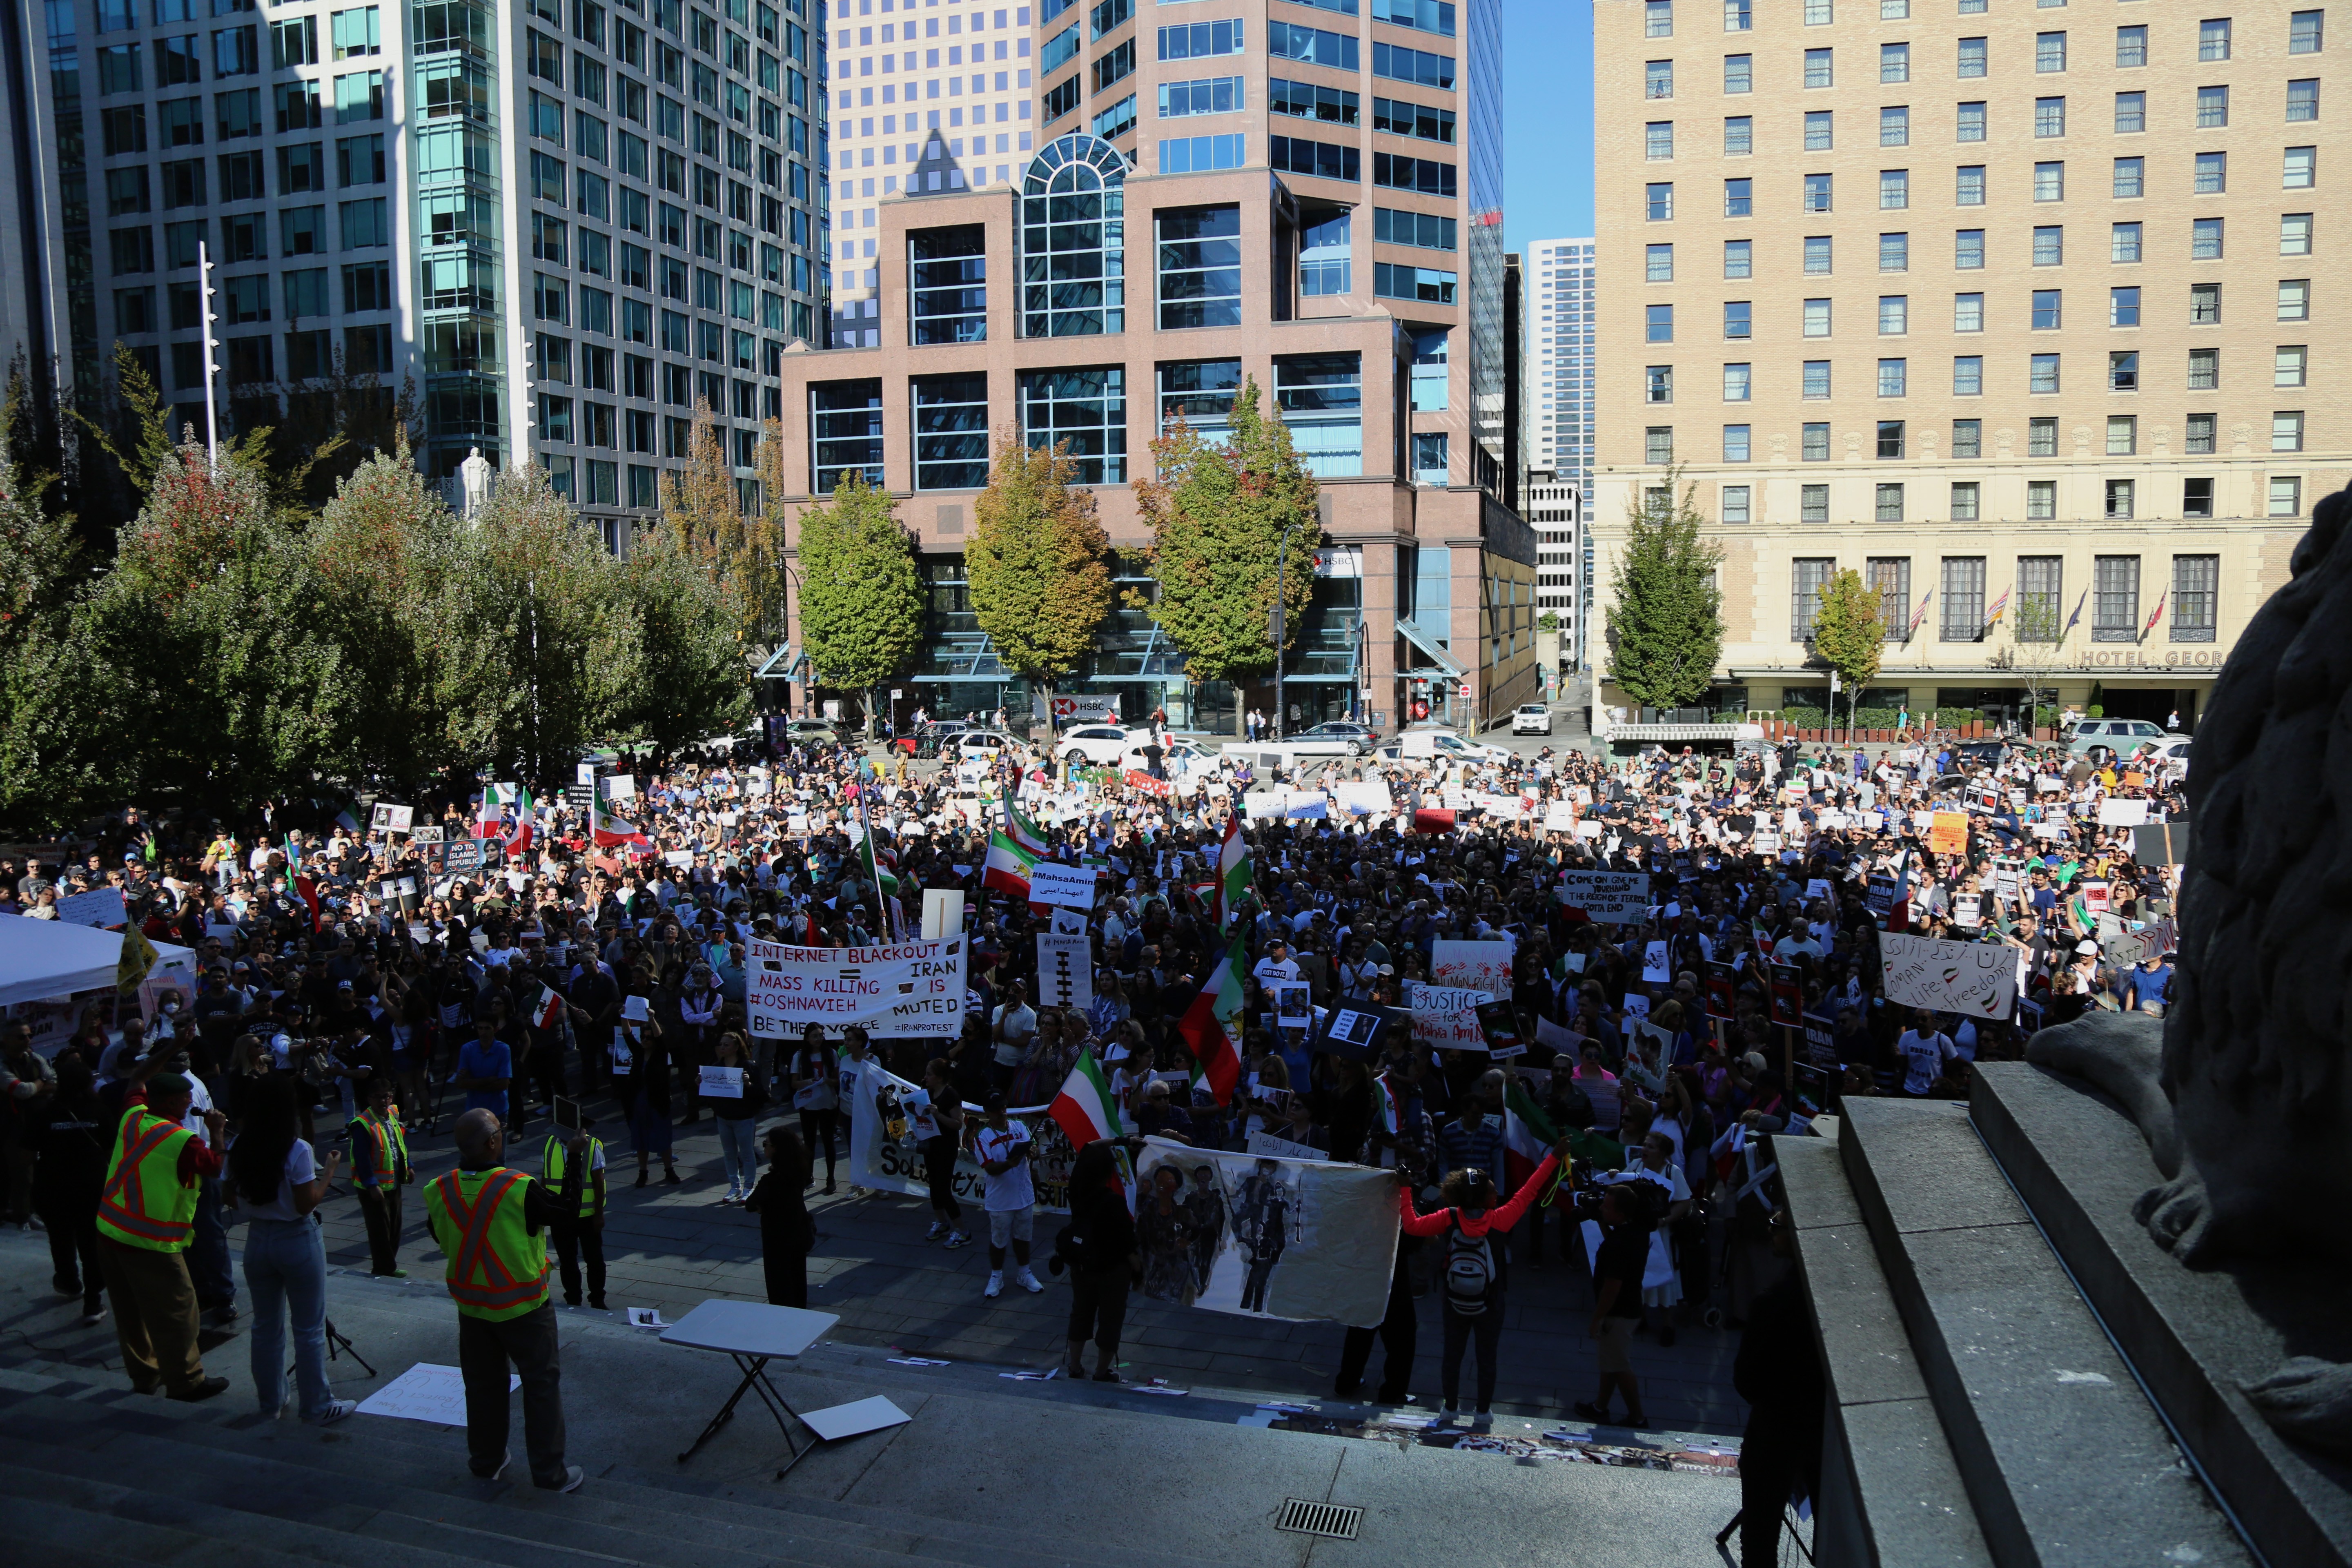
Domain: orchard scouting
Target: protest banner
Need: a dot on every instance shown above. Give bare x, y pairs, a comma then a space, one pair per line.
1066, 970
1978, 980
1616, 898
906, 989
1821, 1038
101, 908
1305, 804
1480, 965
1267, 1145
1445, 1017
1142, 783
886, 1142
1294, 1239
1265, 806
1947, 833
1072, 887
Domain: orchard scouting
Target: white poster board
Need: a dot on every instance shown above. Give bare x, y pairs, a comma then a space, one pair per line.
1445, 1017
1619, 898
901, 990
1978, 980
1066, 970
1072, 887
721, 1083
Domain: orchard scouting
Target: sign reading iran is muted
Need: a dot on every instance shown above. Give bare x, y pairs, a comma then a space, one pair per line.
907, 988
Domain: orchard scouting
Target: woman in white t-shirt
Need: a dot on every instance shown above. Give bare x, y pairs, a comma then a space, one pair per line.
275, 1179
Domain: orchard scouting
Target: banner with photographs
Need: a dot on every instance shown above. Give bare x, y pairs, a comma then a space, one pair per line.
889, 1119
1260, 1236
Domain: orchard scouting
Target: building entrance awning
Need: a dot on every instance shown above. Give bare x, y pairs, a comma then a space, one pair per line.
787, 663
1430, 646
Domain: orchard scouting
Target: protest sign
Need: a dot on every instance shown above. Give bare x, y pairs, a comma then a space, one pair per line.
1499, 1023
1294, 1006
1350, 1032
909, 988
1065, 970
1267, 1145
1657, 967
1586, 829
620, 787
1298, 1239
1560, 816
1967, 909
1722, 997
1557, 1039
1445, 1017
1821, 1038
1788, 993
1265, 805
1978, 980
101, 908
1367, 797
1767, 843
1480, 965
386, 817
1618, 897
1818, 888
2116, 813
1947, 833
2161, 844
426, 833
1070, 885
721, 1083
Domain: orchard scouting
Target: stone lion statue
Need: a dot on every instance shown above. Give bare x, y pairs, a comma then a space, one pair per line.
2244, 1090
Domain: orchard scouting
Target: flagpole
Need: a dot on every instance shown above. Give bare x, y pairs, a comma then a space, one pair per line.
890, 915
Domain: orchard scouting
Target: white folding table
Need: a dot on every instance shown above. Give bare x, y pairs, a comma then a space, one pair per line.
753, 1333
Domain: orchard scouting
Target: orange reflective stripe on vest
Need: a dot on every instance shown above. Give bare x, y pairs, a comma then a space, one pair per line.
123, 1203
478, 1277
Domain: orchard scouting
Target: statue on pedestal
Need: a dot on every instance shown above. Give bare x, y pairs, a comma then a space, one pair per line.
2243, 1089
474, 473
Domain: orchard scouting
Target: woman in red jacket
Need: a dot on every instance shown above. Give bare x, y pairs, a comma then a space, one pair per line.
1471, 1267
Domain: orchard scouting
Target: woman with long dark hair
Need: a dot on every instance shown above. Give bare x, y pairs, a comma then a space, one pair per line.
786, 1231
68, 1134
277, 1182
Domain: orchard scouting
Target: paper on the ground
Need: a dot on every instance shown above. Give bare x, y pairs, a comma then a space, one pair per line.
425, 1392
646, 1318
837, 1422
913, 1361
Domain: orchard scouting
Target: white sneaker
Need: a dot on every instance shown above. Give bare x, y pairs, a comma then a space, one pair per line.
336, 1410
938, 1228
1030, 1282
957, 1238
995, 1286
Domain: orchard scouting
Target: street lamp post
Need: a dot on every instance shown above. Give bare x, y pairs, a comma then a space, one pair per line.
1276, 624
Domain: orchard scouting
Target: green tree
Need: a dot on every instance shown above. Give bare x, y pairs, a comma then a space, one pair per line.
2036, 647
375, 550
539, 647
1665, 626
740, 552
861, 599
690, 681
1848, 635
1219, 514
1038, 562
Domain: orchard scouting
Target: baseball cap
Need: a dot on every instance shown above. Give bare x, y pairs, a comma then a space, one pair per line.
2081, 947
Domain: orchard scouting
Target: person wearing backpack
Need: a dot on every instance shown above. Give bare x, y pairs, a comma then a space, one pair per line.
1471, 1267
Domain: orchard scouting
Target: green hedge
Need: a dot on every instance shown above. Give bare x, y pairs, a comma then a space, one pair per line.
1956, 718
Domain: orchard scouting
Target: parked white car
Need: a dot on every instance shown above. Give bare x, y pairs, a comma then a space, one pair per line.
978, 746
2121, 736
1093, 745
1532, 719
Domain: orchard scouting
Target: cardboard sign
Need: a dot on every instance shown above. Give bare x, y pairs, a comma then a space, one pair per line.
1072, 887
1445, 1017
1616, 898
1976, 980
1560, 816
102, 909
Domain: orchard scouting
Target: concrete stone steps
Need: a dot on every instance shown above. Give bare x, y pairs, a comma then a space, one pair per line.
2062, 1457
384, 1494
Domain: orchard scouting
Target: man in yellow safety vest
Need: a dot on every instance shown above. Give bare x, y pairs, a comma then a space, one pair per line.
379, 1168
582, 1232
491, 1223
146, 1212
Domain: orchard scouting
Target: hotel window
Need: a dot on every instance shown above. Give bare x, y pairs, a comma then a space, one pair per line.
1813, 506
1818, 71
2042, 437
1738, 258
2204, 304
2212, 107
2119, 500
1735, 383
1813, 442
1817, 318
2295, 235
1819, 254
2288, 365
2213, 39
1892, 377
1658, 323
2123, 307
2131, 113
2049, 182
2305, 30
1963, 599
2049, 309
2048, 116
2041, 374
1658, 18
1821, 130
1658, 79
2303, 101
1890, 503
2130, 178
2286, 498
1964, 501
1734, 510
1738, 73
2131, 48
2294, 299
2041, 500
950, 419
1972, 125
1968, 249
2114, 598
1735, 443
1658, 383
2286, 431
2041, 598
1894, 253
1967, 438
2196, 592
1738, 198
1809, 576
2049, 245
1738, 136
1815, 379
2204, 370
1890, 439
1820, 192
2302, 169
2123, 242
1894, 63
1739, 318
2197, 497
2123, 436
1658, 202
1893, 188
1658, 264
1894, 126
1968, 376
1973, 59
2205, 240
2198, 434
1658, 444
1085, 408
1893, 314
2211, 173
1968, 185
2049, 52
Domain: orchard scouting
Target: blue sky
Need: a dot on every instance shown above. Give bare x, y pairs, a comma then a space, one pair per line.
1546, 120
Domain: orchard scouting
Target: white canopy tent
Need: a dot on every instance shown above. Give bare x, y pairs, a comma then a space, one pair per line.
41, 961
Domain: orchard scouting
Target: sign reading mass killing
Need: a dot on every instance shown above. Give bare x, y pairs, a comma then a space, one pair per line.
905, 989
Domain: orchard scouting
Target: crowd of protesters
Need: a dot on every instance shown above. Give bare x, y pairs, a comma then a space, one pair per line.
346, 983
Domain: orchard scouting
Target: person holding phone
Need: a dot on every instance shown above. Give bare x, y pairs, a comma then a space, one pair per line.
278, 1183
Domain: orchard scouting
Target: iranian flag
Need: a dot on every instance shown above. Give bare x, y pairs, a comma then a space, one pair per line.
611, 832
518, 841
1212, 1025
1232, 870
1527, 1137
1024, 833
1007, 867
490, 819
1085, 1109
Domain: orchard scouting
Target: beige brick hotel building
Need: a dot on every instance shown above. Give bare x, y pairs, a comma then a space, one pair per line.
1307, 194
2032, 312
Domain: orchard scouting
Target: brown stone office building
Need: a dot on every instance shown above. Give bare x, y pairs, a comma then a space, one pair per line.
1307, 195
